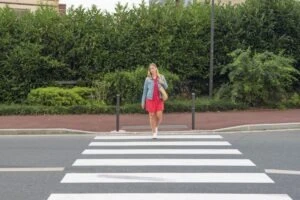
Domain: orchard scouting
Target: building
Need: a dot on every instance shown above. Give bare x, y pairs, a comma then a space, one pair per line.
162, 1
30, 5
62, 9
191, 1
230, 1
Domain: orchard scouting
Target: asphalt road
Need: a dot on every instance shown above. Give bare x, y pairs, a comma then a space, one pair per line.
153, 172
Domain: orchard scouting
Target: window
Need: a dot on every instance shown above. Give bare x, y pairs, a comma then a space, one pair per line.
20, 11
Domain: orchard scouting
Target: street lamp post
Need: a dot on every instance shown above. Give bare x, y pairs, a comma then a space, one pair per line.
212, 33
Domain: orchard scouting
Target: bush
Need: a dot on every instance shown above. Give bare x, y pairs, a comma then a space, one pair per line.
258, 79
293, 101
54, 96
100, 91
39, 48
185, 105
172, 106
51, 110
203, 105
84, 92
130, 85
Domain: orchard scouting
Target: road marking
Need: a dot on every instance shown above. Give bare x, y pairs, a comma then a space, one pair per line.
160, 136
159, 143
170, 196
160, 151
277, 171
53, 169
166, 178
163, 162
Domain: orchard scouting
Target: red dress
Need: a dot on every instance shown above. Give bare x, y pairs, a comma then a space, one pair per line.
155, 104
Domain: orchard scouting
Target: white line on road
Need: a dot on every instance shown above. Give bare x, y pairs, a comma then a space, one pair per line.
159, 143
52, 169
277, 171
170, 196
166, 178
163, 162
161, 151
160, 136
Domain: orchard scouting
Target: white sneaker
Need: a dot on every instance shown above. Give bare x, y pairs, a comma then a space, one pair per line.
154, 135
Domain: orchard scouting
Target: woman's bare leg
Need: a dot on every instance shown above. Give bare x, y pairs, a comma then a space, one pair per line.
153, 121
159, 117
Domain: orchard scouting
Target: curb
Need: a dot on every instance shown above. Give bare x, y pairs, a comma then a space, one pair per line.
234, 129
46, 131
261, 127
64, 131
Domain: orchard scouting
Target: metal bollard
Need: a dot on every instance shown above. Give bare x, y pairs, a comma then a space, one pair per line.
118, 113
193, 111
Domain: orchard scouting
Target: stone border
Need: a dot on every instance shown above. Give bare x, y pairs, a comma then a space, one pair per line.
260, 127
234, 129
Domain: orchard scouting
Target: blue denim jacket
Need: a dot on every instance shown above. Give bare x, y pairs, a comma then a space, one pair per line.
149, 88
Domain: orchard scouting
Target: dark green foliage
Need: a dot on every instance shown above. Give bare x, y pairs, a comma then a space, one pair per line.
258, 78
292, 101
130, 85
54, 96
171, 106
40, 110
37, 49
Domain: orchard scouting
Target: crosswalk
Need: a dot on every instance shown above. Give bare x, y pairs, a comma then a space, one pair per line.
193, 159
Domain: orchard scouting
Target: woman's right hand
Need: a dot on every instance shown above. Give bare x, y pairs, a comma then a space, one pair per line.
143, 106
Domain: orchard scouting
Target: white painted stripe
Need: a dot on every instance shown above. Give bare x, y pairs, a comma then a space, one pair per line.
166, 177
170, 196
160, 151
159, 143
52, 169
277, 171
116, 137
163, 162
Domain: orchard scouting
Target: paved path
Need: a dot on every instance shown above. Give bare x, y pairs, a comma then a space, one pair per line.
134, 122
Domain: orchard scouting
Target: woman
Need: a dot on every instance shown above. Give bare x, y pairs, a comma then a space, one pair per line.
152, 99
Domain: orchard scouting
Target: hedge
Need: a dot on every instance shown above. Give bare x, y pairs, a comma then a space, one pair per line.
170, 107
179, 105
129, 84
55, 96
37, 49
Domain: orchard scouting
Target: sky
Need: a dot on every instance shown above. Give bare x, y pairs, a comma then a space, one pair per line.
108, 5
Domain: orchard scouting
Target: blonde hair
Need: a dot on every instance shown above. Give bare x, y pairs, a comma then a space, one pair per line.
149, 72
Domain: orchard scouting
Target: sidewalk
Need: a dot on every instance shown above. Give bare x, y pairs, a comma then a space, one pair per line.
139, 122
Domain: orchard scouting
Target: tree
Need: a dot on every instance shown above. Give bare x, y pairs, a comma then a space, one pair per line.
258, 78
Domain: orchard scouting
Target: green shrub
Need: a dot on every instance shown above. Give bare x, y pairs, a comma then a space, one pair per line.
84, 92
185, 105
54, 96
51, 110
130, 85
100, 91
292, 102
174, 105
258, 79
203, 105
39, 48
